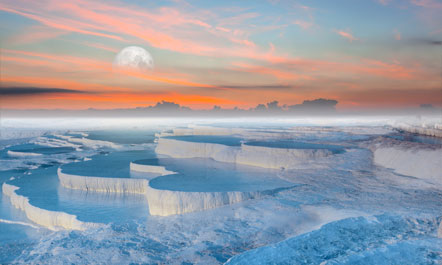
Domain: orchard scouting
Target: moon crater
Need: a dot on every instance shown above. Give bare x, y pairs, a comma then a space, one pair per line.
134, 58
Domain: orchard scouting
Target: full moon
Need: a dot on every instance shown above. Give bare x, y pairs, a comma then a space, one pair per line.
135, 58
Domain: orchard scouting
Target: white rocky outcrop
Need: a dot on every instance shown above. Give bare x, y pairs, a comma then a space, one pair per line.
52, 220
121, 185
21, 154
183, 149
89, 142
259, 156
423, 164
167, 202
161, 202
160, 170
418, 160
276, 158
434, 130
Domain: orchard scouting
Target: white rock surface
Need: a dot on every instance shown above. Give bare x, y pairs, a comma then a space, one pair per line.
160, 170
166, 202
418, 160
88, 142
276, 158
182, 149
161, 202
423, 164
258, 156
21, 154
121, 185
50, 219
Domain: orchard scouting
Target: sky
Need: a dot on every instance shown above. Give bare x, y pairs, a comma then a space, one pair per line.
362, 53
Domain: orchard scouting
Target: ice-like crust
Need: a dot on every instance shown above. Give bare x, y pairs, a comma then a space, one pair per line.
259, 156
160, 170
426, 125
433, 130
161, 202
166, 202
21, 154
88, 142
121, 185
18, 223
276, 158
182, 149
54, 142
356, 240
50, 219
410, 159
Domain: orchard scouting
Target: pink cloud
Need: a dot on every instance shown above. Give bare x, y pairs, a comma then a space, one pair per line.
61, 26
303, 24
102, 69
346, 35
36, 33
427, 3
384, 2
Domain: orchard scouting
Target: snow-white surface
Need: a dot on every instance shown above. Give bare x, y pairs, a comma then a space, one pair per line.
411, 160
167, 202
18, 223
88, 142
182, 149
160, 170
431, 125
120, 185
50, 219
54, 142
276, 158
21, 154
259, 156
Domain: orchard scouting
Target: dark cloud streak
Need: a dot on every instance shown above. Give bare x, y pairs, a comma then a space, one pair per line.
27, 91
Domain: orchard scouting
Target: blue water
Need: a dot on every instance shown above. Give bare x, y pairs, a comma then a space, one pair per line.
120, 136
391, 223
207, 175
108, 164
404, 136
213, 139
296, 145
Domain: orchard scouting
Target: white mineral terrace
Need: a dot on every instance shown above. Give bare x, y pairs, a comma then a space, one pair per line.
161, 202
259, 156
52, 220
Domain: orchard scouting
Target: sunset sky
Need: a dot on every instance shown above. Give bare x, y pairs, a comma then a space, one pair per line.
365, 54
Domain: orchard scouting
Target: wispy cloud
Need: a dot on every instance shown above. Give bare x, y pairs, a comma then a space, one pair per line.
384, 2
428, 3
346, 34
303, 24
34, 34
